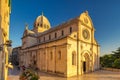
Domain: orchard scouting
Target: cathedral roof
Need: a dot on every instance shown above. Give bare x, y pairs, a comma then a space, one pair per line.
59, 26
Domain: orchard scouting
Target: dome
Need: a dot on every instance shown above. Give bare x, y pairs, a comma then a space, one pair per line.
42, 21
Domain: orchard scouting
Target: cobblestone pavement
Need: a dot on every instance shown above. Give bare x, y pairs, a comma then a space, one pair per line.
98, 75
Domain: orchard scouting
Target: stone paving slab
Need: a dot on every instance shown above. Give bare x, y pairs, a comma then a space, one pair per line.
12, 77
98, 75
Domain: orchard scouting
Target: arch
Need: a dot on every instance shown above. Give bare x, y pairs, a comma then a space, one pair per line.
86, 51
86, 61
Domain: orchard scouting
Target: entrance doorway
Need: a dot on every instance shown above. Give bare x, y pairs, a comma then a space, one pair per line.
84, 66
85, 63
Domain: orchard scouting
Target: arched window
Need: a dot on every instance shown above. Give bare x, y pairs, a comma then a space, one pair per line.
74, 58
59, 55
70, 29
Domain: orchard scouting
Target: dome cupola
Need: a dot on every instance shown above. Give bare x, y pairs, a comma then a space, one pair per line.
41, 24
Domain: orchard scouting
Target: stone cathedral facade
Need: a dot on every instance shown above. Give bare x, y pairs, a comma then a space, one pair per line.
68, 49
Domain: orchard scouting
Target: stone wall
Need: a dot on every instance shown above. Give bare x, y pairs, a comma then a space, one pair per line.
111, 69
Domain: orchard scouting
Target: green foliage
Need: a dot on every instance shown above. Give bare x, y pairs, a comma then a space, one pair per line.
117, 63
107, 60
117, 53
111, 60
29, 74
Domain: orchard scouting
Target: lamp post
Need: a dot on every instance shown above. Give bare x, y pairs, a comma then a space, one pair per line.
5, 64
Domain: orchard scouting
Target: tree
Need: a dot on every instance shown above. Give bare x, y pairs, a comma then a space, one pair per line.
111, 60
107, 60
117, 53
116, 63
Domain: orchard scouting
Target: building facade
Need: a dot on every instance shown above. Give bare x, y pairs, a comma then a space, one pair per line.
15, 55
68, 49
5, 9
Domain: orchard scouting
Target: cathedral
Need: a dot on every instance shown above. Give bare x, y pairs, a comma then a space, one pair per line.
69, 49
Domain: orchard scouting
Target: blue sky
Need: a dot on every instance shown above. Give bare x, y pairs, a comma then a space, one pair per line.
105, 15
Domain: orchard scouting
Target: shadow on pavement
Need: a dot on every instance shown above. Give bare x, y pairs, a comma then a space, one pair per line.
14, 71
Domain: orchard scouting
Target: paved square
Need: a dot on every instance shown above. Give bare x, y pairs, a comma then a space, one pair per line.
98, 75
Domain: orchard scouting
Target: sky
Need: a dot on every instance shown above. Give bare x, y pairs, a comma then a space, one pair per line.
105, 15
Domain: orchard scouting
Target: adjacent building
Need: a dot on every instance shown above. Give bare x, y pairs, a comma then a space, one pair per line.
68, 49
5, 9
15, 55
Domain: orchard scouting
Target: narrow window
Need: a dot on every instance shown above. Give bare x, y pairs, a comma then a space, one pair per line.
55, 35
44, 39
73, 59
49, 37
30, 56
41, 25
37, 24
59, 55
70, 29
51, 56
62, 33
